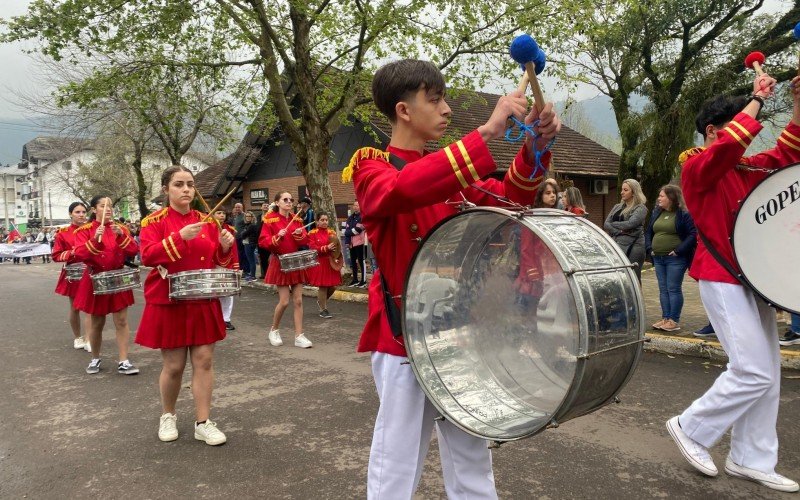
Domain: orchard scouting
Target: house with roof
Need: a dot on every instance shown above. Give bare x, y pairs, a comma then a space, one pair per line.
265, 164
49, 162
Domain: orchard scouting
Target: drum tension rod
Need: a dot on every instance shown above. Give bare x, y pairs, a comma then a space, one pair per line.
595, 353
570, 272
493, 445
553, 424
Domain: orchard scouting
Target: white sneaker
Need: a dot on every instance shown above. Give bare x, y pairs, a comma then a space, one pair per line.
696, 454
208, 432
302, 341
275, 338
79, 343
774, 481
87, 346
167, 427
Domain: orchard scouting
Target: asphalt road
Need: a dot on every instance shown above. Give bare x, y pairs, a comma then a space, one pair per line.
299, 422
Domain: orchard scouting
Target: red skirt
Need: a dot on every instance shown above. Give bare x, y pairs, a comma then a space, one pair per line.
100, 305
183, 324
279, 278
66, 288
324, 274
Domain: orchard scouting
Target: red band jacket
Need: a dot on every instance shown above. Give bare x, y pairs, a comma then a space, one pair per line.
273, 222
714, 184
399, 207
163, 246
63, 246
106, 255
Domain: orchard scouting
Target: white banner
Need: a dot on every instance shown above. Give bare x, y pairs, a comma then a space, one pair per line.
10, 250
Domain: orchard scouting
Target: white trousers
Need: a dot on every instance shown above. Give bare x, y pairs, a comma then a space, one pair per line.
745, 397
227, 307
403, 433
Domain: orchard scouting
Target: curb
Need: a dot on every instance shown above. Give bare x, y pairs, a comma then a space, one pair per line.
664, 344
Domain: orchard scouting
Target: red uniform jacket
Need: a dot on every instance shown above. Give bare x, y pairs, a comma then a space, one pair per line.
163, 246
108, 254
318, 240
399, 207
273, 223
63, 252
713, 187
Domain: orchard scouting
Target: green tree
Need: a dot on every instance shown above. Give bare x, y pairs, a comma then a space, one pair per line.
312, 58
675, 55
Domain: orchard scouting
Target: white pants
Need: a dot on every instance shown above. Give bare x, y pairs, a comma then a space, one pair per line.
403, 433
745, 397
227, 307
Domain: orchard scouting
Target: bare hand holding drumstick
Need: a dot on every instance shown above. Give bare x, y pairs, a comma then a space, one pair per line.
226, 239
190, 231
795, 89
549, 125
514, 104
98, 235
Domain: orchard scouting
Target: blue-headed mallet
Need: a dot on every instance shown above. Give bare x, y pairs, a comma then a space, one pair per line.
526, 52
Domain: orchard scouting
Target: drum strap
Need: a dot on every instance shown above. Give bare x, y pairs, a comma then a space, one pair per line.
721, 260
392, 311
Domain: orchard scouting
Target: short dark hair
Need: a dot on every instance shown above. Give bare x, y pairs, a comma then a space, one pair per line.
305, 199
322, 214
396, 81
718, 111
76, 204
168, 173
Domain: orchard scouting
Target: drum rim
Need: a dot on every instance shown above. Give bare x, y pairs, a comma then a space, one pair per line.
202, 271
569, 395
732, 239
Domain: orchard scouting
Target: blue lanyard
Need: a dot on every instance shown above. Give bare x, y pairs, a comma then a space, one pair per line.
530, 130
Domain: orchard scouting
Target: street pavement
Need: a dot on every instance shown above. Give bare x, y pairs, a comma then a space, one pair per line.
299, 422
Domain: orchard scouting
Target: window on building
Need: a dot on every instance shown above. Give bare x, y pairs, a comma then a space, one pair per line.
302, 192
341, 210
258, 196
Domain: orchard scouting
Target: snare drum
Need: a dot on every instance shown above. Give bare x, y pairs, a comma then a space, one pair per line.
118, 280
514, 322
204, 284
74, 272
296, 261
767, 228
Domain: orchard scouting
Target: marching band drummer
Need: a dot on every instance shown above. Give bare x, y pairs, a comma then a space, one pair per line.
104, 253
226, 302
175, 239
399, 208
63, 252
323, 275
745, 397
282, 232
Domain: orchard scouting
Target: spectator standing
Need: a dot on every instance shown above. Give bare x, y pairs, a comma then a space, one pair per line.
625, 223
237, 219
670, 241
249, 238
792, 335
356, 239
573, 201
307, 213
263, 253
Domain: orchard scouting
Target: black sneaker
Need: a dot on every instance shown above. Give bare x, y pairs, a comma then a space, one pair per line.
789, 338
706, 331
94, 367
229, 326
362, 284
325, 314
127, 368
353, 283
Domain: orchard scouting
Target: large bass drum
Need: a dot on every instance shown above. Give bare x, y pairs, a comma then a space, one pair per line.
766, 232
516, 321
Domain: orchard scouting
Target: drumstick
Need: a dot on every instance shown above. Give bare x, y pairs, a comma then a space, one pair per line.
102, 222
220, 204
203, 201
294, 218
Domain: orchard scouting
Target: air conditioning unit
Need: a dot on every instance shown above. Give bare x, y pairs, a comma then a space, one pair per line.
598, 186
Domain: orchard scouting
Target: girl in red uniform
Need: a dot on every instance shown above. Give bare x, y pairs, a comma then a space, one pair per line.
62, 252
104, 252
177, 239
324, 275
282, 232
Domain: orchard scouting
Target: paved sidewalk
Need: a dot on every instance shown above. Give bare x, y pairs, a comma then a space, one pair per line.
682, 342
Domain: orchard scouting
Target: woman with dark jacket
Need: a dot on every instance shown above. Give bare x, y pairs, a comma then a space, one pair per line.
625, 223
249, 237
670, 241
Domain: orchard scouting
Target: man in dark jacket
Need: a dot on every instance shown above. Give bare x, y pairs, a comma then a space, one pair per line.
355, 238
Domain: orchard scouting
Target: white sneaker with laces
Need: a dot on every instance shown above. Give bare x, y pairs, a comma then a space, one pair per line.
275, 338
302, 341
208, 432
168, 428
78, 343
774, 481
87, 346
696, 454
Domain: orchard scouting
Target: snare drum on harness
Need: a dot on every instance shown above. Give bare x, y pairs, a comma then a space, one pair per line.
296, 261
118, 280
504, 361
204, 284
74, 272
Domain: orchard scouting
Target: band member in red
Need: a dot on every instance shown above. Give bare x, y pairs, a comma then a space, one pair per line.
173, 240
327, 275
746, 396
63, 252
226, 302
399, 208
282, 232
103, 247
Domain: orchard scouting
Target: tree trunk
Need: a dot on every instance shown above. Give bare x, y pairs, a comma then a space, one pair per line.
141, 187
314, 166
